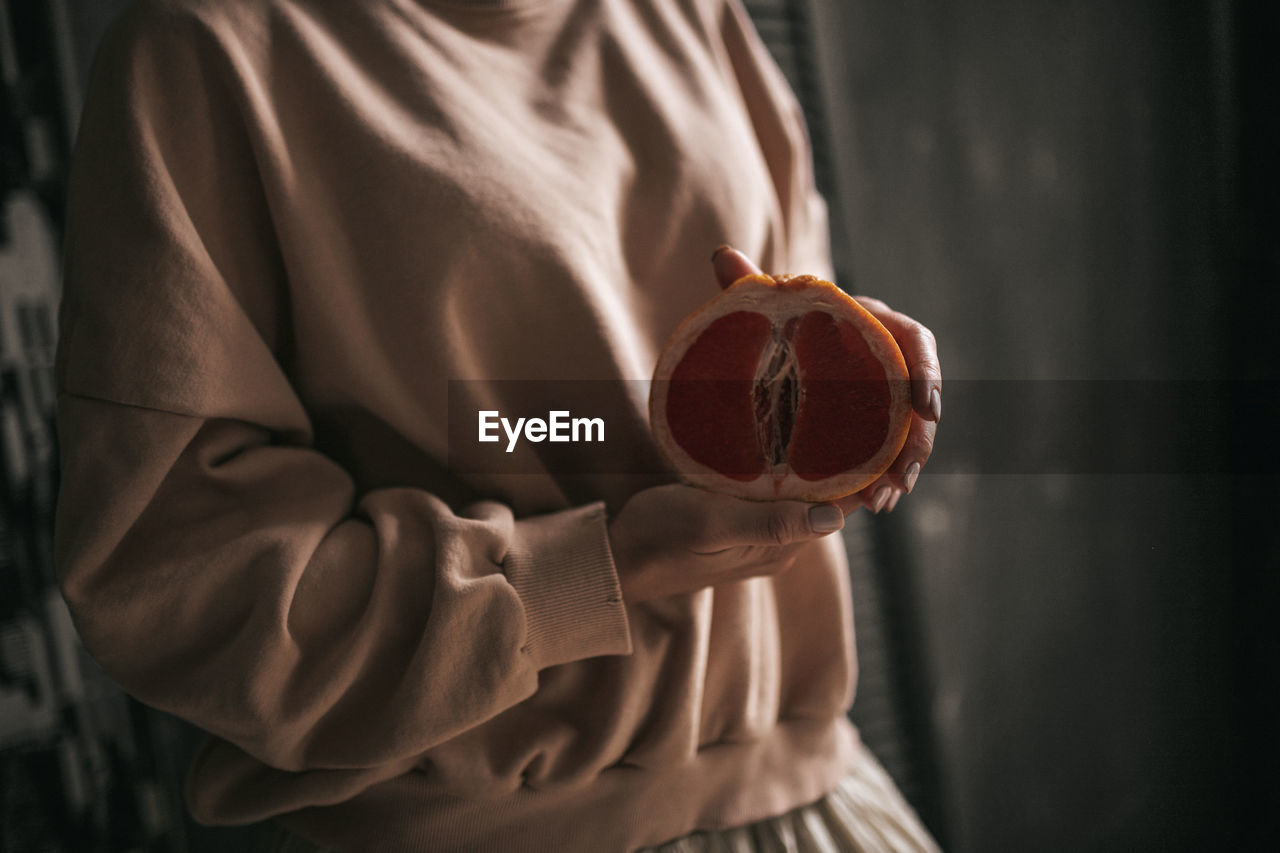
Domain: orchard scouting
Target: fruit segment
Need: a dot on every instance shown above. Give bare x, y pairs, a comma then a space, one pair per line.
806, 396
843, 417
710, 395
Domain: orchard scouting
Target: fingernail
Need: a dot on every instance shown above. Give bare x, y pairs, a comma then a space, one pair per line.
909, 478
882, 497
935, 404
825, 519
893, 502
721, 248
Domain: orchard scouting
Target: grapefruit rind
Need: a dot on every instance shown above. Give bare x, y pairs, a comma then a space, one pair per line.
781, 297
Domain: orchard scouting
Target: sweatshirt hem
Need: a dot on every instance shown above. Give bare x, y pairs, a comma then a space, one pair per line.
623, 808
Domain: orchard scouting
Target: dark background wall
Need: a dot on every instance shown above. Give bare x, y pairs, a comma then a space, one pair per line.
1068, 630
1083, 191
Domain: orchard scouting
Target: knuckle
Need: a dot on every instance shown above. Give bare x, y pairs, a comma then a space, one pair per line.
925, 344
873, 304
928, 373
779, 531
921, 445
926, 334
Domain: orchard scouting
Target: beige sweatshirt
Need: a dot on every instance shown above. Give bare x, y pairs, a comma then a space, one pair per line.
294, 226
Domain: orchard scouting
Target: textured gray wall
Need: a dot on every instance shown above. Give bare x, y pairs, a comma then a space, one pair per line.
1050, 187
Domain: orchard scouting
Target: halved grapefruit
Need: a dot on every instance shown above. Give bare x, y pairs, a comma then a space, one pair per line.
781, 388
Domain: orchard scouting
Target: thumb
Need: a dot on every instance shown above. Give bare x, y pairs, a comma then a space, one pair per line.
777, 523
731, 265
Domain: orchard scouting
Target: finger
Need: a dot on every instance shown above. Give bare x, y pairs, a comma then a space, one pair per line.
877, 496
849, 503
893, 501
731, 265
737, 523
920, 349
914, 454
905, 470
902, 474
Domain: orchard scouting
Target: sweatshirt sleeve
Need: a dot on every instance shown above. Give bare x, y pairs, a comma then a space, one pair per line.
780, 128
216, 564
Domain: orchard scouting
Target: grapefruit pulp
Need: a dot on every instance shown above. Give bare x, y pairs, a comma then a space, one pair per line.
781, 388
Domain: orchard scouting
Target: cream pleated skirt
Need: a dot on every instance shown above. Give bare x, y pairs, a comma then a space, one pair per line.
864, 814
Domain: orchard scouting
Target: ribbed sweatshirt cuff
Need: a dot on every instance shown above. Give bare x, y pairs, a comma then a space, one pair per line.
562, 569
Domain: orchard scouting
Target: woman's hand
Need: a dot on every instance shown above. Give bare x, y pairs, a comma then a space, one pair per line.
675, 539
921, 353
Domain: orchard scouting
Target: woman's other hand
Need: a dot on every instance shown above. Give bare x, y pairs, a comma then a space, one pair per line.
920, 350
675, 539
